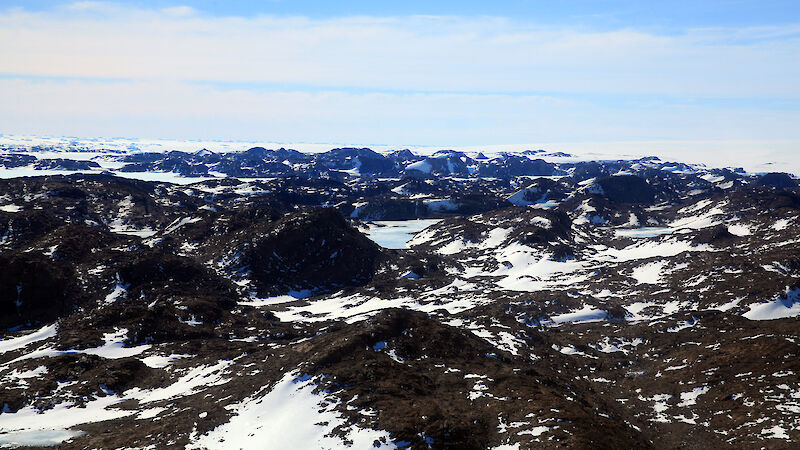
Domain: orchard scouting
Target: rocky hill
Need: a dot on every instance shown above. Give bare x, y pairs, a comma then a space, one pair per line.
598, 304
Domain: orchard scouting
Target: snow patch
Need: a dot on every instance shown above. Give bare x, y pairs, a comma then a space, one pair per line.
779, 308
16, 343
396, 234
290, 415
649, 273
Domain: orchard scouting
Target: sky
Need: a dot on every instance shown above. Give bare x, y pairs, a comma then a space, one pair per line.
406, 73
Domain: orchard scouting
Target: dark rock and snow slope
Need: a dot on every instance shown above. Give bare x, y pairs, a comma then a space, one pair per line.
606, 304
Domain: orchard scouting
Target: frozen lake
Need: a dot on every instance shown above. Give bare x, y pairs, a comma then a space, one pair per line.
644, 232
396, 233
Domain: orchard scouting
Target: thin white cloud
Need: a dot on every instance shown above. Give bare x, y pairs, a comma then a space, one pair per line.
400, 53
93, 6
179, 11
185, 110
96, 68
84, 6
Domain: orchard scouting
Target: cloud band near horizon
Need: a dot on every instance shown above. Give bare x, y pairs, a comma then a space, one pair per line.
93, 68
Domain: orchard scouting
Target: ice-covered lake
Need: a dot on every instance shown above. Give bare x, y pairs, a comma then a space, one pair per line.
396, 233
644, 232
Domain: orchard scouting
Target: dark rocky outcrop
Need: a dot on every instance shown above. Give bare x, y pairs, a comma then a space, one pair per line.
34, 289
627, 189
315, 249
777, 180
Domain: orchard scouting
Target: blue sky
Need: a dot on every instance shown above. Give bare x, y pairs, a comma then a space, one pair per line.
594, 13
403, 73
